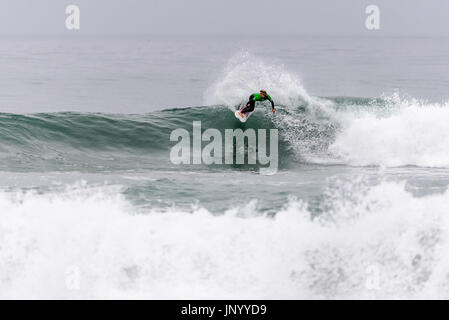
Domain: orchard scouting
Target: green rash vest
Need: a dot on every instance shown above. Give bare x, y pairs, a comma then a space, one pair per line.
258, 97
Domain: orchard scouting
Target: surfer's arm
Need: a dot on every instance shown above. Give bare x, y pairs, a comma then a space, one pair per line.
271, 101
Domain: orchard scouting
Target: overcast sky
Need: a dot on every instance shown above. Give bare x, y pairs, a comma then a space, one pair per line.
233, 17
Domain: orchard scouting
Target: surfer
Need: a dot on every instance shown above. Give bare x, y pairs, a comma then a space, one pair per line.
251, 104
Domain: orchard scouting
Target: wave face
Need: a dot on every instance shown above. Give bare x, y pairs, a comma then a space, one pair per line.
369, 241
77, 141
352, 131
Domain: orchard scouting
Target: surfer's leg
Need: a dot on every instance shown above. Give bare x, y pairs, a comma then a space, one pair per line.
249, 107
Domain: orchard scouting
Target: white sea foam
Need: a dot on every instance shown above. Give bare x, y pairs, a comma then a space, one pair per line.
370, 242
410, 133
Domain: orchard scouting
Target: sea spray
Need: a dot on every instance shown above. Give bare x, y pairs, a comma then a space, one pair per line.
246, 74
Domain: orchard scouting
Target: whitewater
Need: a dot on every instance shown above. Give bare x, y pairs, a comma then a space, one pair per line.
92, 207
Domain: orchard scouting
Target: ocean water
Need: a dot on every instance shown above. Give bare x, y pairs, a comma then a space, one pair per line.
92, 207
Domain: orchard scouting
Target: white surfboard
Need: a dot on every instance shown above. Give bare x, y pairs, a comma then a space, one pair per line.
240, 116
